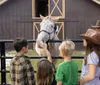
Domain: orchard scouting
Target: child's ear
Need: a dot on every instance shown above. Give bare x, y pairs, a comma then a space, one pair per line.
23, 48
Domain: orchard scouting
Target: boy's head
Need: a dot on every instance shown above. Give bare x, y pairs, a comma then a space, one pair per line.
67, 48
20, 44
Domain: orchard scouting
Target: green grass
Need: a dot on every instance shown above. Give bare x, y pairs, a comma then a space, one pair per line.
34, 61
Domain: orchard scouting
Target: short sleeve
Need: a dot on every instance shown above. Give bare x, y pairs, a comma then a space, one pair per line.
93, 59
59, 74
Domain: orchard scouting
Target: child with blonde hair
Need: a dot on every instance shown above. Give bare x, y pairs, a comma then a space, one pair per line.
67, 71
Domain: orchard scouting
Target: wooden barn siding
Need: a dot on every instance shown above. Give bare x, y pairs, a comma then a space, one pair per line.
80, 15
16, 16
16, 20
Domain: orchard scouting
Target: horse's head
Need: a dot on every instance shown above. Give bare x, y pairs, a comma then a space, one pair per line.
48, 28
47, 32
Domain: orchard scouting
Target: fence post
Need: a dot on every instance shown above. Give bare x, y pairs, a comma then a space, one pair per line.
3, 63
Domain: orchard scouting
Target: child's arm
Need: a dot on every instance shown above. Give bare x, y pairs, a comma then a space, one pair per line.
43, 46
59, 75
59, 83
30, 73
91, 74
48, 55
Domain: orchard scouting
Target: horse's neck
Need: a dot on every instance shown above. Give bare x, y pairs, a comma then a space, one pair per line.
53, 47
53, 44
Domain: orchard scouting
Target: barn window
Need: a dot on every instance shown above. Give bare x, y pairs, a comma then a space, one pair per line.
48, 7
39, 7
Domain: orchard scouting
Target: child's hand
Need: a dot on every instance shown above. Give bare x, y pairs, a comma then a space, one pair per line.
42, 45
45, 51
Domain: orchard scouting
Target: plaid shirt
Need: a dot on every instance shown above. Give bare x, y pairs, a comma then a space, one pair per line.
21, 71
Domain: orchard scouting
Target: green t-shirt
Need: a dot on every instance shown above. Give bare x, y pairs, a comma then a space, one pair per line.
67, 72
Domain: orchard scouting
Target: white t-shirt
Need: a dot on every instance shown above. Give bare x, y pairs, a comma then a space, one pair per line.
92, 59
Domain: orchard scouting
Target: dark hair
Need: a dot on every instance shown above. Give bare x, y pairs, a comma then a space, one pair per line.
92, 47
88, 50
19, 43
44, 72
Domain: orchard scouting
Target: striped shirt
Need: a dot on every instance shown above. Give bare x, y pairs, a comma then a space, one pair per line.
21, 71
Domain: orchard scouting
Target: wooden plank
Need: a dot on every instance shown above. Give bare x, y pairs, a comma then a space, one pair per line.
97, 1
3, 1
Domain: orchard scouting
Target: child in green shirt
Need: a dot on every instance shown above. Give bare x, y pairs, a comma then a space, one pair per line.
67, 71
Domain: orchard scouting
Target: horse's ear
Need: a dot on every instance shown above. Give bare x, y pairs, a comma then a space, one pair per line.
55, 18
49, 16
42, 17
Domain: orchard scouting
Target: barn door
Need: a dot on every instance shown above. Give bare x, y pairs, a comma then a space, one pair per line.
56, 8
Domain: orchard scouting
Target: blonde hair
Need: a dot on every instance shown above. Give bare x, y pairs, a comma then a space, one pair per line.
67, 48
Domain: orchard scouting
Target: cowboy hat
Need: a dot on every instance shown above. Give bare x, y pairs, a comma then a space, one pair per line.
92, 35
97, 24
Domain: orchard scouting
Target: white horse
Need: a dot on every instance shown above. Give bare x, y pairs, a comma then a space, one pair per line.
47, 32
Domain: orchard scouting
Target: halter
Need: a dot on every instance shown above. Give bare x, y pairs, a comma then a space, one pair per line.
49, 33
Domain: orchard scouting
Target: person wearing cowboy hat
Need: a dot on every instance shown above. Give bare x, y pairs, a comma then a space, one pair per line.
97, 26
90, 74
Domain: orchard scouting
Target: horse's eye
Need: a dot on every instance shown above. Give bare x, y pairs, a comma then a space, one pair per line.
51, 26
